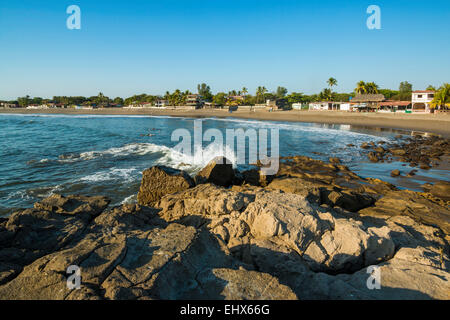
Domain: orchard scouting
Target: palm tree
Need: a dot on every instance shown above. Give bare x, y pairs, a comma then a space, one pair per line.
431, 88
260, 92
361, 87
244, 91
326, 94
372, 88
332, 82
442, 97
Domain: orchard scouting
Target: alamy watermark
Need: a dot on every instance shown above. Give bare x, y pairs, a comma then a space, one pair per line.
257, 145
374, 280
74, 278
74, 20
374, 20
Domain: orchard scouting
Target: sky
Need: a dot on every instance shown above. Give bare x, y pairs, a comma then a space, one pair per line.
146, 46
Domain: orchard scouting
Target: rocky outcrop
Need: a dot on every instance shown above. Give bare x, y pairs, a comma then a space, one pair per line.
159, 181
418, 151
422, 207
315, 230
441, 190
219, 171
129, 252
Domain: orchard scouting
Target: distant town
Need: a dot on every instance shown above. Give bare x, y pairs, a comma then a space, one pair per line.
367, 97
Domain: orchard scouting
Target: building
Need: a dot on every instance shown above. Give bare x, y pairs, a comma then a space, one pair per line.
161, 103
299, 106
8, 105
329, 105
421, 100
367, 102
395, 106
194, 100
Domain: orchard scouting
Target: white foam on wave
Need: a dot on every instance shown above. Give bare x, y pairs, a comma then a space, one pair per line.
125, 175
20, 194
168, 156
130, 199
198, 159
133, 148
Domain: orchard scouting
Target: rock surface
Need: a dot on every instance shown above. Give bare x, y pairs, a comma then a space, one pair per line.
219, 171
315, 230
159, 181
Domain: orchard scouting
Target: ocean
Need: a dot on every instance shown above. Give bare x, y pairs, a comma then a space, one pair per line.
105, 155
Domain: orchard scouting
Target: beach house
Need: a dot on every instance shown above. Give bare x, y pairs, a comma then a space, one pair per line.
421, 100
367, 102
161, 103
395, 106
194, 100
330, 106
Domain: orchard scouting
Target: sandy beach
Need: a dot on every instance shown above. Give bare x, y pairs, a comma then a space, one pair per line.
433, 123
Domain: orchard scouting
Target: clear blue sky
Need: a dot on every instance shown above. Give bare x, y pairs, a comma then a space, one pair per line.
147, 46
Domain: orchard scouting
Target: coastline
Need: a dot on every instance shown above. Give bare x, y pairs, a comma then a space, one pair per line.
431, 123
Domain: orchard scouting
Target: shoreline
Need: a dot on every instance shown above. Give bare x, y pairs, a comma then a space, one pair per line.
429, 123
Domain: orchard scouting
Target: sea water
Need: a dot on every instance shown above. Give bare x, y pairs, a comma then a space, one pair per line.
41, 155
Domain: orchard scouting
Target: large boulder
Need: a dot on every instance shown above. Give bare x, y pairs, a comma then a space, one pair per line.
219, 171
159, 181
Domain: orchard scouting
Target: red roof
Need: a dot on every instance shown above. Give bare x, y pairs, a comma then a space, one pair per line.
395, 103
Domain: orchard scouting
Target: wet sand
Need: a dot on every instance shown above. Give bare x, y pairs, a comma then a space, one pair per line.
434, 123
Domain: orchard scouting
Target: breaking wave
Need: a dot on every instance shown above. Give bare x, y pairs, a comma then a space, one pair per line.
166, 156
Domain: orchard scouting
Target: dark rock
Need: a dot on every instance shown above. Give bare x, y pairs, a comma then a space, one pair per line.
373, 157
335, 160
398, 152
219, 171
424, 166
395, 173
349, 201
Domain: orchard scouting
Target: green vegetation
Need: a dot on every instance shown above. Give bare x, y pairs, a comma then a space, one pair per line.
442, 97
242, 97
366, 88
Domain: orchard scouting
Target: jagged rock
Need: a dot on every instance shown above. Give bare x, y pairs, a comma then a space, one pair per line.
219, 171
351, 201
412, 204
302, 187
424, 166
441, 190
379, 149
395, 173
52, 224
159, 181
373, 157
335, 160
205, 201
305, 235
398, 152
244, 285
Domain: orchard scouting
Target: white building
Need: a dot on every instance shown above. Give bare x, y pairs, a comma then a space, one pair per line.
421, 100
161, 103
329, 105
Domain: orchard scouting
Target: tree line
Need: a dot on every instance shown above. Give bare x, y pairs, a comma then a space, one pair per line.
243, 97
